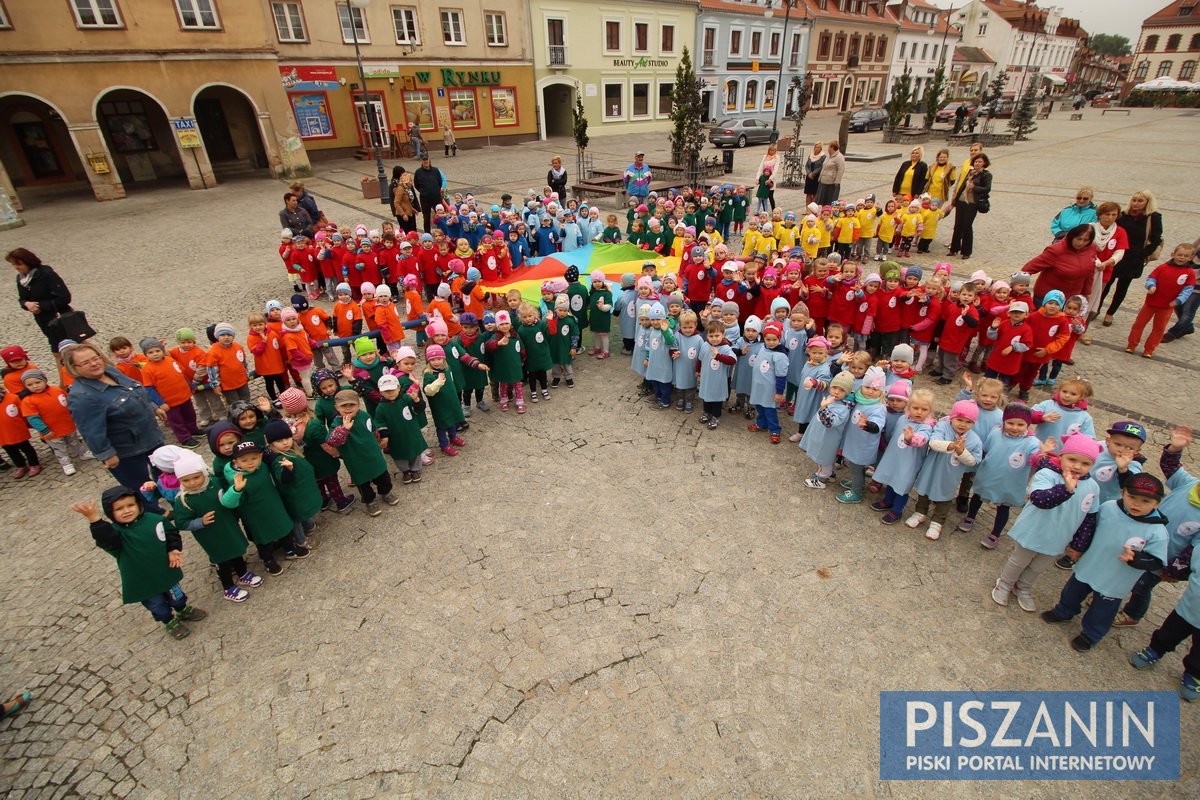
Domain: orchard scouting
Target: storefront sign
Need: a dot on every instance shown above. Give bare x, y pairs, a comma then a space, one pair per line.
382, 71
307, 79
454, 77
186, 132
641, 63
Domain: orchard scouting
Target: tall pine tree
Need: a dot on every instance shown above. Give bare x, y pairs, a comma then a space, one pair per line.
1022, 123
901, 100
687, 109
935, 92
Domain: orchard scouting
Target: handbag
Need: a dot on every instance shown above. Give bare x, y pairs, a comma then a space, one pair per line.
1153, 254
72, 325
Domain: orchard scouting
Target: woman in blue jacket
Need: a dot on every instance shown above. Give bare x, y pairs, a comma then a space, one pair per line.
1081, 212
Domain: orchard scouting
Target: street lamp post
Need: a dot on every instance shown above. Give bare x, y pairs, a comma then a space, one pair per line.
787, 17
368, 109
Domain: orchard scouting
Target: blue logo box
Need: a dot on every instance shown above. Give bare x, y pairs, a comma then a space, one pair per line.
1029, 735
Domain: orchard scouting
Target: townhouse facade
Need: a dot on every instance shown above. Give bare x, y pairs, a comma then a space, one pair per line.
1168, 45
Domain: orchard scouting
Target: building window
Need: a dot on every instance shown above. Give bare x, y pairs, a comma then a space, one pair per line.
664, 99
839, 47
1188, 71
1164, 69
418, 108
881, 48
823, 43
1173, 42
641, 99
614, 100
735, 43
874, 90
556, 40
1194, 44
794, 56
710, 47
1151, 44
452, 27
504, 106
776, 38
755, 44
464, 108
731, 95
751, 95
667, 38
1185, 11
612, 36
289, 22
354, 24
404, 19
831, 94
869, 47
96, 13
197, 15
855, 41
641, 37
1139, 74
768, 95
983, 29
903, 50
495, 24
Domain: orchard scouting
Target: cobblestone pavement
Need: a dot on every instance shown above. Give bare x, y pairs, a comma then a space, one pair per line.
595, 599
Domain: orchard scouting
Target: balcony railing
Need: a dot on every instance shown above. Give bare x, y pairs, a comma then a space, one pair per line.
558, 55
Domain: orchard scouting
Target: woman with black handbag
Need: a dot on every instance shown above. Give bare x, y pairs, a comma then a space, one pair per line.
42, 293
972, 197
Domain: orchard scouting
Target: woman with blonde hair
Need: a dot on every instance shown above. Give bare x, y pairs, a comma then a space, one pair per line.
812, 171
910, 178
1143, 228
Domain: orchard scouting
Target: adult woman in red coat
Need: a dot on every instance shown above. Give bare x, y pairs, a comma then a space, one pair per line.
1068, 265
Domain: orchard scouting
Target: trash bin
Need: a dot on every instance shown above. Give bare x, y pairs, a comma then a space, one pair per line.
370, 188
727, 157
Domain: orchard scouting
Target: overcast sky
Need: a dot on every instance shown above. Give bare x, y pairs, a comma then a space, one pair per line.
1097, 16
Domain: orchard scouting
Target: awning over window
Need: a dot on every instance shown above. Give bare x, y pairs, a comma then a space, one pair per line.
1050, 76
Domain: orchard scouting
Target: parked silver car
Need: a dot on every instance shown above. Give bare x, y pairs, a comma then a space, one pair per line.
740, 132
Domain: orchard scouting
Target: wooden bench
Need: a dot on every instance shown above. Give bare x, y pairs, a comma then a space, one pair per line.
1124, 111
1076, 116
585, 190
1043, 115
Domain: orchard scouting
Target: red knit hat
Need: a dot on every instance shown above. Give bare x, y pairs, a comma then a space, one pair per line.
293, 401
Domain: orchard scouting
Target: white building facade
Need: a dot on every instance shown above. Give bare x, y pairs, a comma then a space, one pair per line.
1025, 39
924, 40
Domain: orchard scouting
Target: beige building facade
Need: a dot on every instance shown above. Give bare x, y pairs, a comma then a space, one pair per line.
109, 95
851, 52
1169, 45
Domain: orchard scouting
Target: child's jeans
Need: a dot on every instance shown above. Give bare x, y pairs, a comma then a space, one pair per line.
407, 465
864, 247
274, 384
858, 477
1171, 634
1139, 597
896, 500
22, 454
883, 249
301, 530
860, 340
937, 510
1023, 568
182, 420
163, 606
326, 358
209, 406
1001, 514
768, 417
564, 372
229, 571
843, 248
1049, 372
383, 484
444, 435
66, 446
662, 392
947, 363
1007, 380
516, 390
1098, 619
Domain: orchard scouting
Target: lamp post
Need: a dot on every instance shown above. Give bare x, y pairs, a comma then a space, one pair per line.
787, 17
368, 109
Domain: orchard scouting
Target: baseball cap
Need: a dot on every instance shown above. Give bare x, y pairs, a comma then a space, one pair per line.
242, 448
1129, 428
388, 382
1145, 485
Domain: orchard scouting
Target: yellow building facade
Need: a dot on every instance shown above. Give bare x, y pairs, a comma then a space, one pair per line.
107, 95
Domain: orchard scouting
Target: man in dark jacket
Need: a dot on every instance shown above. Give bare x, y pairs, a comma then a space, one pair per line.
428, 181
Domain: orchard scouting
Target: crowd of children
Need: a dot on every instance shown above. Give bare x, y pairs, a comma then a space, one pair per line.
787, 324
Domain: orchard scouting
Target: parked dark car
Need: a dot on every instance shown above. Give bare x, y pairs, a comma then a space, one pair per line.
947, 113
740, 132
868, 119
1004, 108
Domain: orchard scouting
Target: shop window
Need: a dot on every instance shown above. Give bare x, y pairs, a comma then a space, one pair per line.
453, 32
464, 108
664, 99
612, 35
198, 15
496, 25
614, 100
404, 20
354, 24
289, 22
96, 13
768, 95
504, 106
418, 108
641, 37
641, 99
751, 95
667, 39
731, 95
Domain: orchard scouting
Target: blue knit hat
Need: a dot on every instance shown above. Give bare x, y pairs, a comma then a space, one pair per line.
1055, 296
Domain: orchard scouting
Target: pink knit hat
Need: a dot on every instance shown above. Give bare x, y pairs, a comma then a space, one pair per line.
434, 351
503, 318
1080, 445
901, 389
437, 327
965, 409
293, 401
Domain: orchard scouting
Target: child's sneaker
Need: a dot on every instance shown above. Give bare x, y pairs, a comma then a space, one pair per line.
426, 459
416, 477
1000, 596
704, 417
555, 382
934, 531
915, 520
814, 481
520, 409
466, 411
749, 414
176, 629
191, 614
1189, 687
846, 484
483, 406
1065, 562
533, 397
504, 406
273, 567
774, 438
458, 441
989, 541
251, 580
545, 394
795, 437
679, 404
35, 470
345, 504
450, 451
881, 505
570, 383
69, 469
849, 497
373, 509
967, 524
391, 500
235, 594
464, 425
890, 518
297, 553
406, 478
1123, 620
687, 408
663, 405
712, 424
1025, 601
1145, 658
